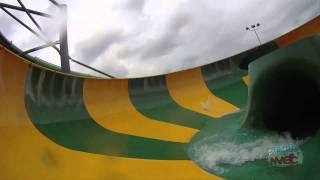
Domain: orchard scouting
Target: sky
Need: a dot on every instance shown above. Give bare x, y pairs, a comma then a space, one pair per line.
137, 38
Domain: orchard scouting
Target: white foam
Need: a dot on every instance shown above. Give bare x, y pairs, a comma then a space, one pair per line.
215, 150
206, 105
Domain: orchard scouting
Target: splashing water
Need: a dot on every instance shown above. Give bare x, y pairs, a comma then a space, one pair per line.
216, 151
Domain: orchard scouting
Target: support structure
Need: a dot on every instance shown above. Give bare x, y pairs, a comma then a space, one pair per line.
4, 5
39, 48
64, 51
63, 41
30, 16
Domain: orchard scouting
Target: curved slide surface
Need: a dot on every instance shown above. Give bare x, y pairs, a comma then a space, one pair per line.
60, 126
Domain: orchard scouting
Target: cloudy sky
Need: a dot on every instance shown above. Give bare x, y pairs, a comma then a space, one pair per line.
134, 38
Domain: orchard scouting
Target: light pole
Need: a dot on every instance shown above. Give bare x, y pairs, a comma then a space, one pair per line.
254, 28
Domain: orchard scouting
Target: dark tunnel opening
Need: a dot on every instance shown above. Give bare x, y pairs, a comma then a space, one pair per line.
289, 102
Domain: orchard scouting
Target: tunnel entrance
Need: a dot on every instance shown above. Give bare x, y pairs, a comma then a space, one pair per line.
289, 102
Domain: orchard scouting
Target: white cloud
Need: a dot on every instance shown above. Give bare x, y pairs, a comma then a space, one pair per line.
132, 38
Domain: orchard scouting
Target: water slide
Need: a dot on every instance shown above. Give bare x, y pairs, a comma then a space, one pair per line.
210, 122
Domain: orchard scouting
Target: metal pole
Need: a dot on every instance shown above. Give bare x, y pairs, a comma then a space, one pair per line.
39, 48
27, 27
21, 9
254, 28
55, 3
64, 52
89, 67
64, 56
257, 36
30, 16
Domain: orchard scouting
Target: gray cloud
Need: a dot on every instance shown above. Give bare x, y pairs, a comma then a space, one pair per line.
126, 52
114, 68
167, 42
90, 49
7, 24
134, 5
179, 21
107, 65
190, 61
297, 14
159, 47
158, 37
215, 33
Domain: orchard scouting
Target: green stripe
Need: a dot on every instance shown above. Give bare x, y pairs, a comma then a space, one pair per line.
55, 105
301, 58
150, 96
224, 78
229, 87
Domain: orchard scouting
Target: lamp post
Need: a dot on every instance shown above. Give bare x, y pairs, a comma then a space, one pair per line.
254, 28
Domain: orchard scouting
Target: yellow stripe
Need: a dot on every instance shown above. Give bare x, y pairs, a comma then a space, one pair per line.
310, 28
246, 80
108, 102
27, 154
189, 90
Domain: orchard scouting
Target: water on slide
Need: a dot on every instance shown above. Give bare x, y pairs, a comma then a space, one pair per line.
212, 122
